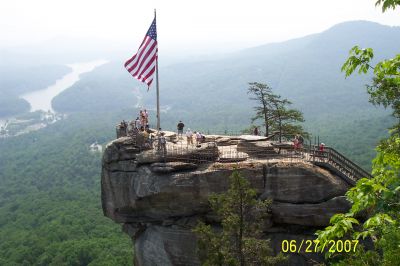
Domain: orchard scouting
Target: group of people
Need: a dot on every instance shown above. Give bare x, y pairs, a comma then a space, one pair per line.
298, 142
200, 138
142, 121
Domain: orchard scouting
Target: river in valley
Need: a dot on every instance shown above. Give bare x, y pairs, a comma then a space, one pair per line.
41, 99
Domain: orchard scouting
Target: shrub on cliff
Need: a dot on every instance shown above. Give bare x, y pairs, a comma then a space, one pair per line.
238, 243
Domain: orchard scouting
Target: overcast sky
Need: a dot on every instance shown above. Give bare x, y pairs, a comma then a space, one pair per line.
202, 26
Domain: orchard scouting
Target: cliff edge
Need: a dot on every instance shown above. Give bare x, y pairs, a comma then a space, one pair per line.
158, 198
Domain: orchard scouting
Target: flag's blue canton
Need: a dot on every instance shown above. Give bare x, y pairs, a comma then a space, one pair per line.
152, 32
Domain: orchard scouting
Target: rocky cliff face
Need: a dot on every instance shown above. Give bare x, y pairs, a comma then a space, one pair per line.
158, 203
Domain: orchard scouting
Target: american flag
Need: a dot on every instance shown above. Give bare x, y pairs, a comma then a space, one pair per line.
142, 65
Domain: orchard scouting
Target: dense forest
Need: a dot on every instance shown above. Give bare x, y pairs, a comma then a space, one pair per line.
50, 210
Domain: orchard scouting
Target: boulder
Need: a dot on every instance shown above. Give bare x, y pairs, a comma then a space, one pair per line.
159, 198
301, 183
259, 149
252, 138
316, 215
167, 246
172, 167
170, 135
223, 141
120, 149
176, 152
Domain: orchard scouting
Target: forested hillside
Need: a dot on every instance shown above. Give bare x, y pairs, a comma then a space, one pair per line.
50, 210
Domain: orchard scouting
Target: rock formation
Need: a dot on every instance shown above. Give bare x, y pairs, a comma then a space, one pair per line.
159, 198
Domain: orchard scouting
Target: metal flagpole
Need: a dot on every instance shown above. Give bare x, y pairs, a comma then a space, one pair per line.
157, 84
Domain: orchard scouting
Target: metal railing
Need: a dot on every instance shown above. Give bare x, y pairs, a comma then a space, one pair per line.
344, 164
209, 152
329, 156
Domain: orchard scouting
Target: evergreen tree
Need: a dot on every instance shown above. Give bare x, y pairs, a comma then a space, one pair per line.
264, 96
275, 112
285, 120
238, 242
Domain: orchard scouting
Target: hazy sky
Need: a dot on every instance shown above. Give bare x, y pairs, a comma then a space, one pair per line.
182, 25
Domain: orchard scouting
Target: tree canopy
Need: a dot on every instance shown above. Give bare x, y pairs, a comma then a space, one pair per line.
375, 210
239, 242
274, 111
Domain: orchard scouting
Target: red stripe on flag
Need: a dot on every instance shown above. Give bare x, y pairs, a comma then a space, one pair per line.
149, 52
142, 65
138, 55
149, 64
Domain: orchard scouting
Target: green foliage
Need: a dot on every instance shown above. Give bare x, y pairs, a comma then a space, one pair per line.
375, 202
11, 105
238, 242
274, 111
387, 4
50, 207
386, 82
359, 58
265, 98
375, 206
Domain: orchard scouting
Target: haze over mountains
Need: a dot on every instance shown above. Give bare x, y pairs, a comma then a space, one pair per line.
305, 70
211, 93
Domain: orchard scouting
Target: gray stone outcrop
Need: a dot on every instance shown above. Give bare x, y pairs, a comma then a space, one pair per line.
158, 202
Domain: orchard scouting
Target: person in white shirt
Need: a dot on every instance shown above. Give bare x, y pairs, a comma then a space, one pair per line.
146, 117
137, 123
198, 138
189, 136
163, 143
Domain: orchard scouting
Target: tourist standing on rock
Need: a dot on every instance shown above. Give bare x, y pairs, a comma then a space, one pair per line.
146, 117
301, 141
147, 142
142, 118
163, 143
180, 127
198, 138
124, 127
132, 125
189, 137
159, 139
321, 150
151, 140
137, 123
322, 147
255, 131
296, 143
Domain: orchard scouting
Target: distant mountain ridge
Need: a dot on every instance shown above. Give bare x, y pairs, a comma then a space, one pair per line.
212, 94
297, 69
